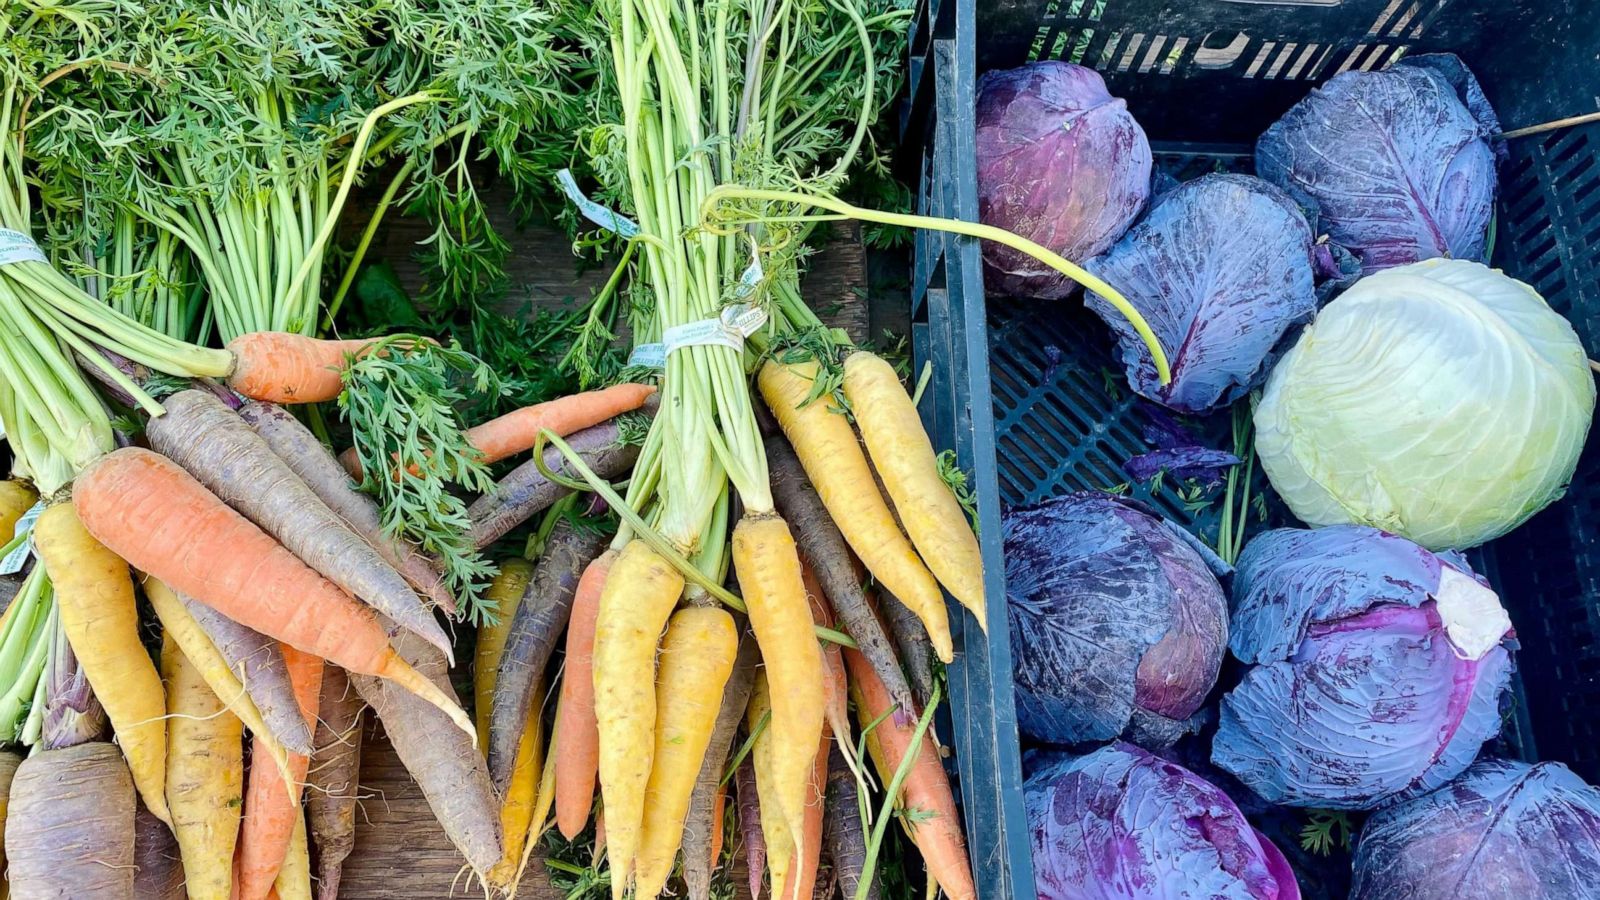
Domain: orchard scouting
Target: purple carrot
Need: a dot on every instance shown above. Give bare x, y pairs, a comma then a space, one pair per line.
540, 620
70, 824
526, 492
827, 553
159, 875
213, 443
842, 828
755, 843
440, 757
697, 837
258, 662
912, 638
316, 465
333, 777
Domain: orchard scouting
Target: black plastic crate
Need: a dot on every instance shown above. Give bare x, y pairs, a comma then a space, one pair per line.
1021, 386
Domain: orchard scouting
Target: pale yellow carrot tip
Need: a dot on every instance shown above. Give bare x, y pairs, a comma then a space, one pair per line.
401, 673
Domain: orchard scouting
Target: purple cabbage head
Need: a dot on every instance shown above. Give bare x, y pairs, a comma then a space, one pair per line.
1220, 267
1118, 624
1502, 830
1400, 163
1060, 162
1121, 824
1376, 673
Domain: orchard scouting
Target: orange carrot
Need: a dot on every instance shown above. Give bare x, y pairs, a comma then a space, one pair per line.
153, 514
269, 816
577, 737
719, 805
837, 708
519, 429
937, 830
281, 367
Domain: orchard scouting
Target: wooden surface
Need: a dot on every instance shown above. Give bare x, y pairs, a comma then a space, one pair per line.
400, 852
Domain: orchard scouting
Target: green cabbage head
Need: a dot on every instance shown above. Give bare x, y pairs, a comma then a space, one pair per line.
1443, 401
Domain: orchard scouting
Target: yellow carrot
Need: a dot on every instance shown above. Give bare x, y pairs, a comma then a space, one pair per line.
16, 498
904, 457
505, 593
696, 659
94, 594
638, 597
205, 776
775, 831
768, 566
213, 668
516, 808
832, 458
294, 876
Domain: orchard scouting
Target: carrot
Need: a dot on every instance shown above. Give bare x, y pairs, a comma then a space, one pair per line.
333, 777
270, 815
755, 845
294, 876
518, 430
937, 830
697, 656
525, 491
836, 702
157, 862
94, 594
807, 861
153, 514
213, 444
198, 649
903, 455
257, 661
444, 763
912, 642
719, 821
825, 553
16, 498
832, 458
769, 573
505, 594
205, 775
8, 769
516, 809
846, 838
316, 465
281, 367
639, 594
777, 839
702, 830
69, 825
535, 628
576, 743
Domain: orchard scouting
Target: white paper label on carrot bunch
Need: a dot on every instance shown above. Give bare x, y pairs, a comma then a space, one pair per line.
16, 247
648, 356
12, 562
729, 329
598, 214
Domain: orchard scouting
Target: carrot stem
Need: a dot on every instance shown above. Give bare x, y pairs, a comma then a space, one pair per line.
881, 827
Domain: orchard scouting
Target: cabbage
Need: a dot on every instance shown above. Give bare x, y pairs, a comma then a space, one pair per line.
1443, 401
1376, 668
1220, 267
1399, 162
1121, 824
1502, 830
1117, 622
1059, 162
